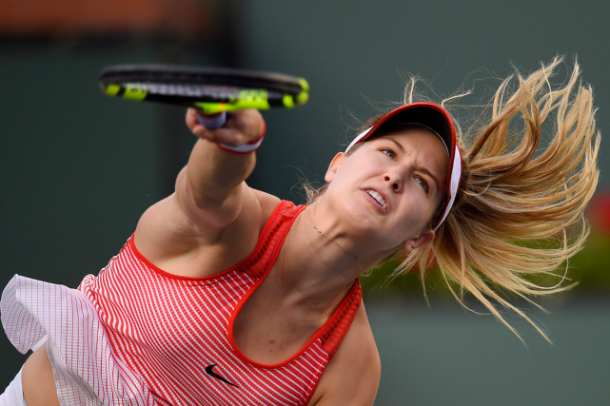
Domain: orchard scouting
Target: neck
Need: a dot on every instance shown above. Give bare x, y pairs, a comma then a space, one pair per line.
323, 260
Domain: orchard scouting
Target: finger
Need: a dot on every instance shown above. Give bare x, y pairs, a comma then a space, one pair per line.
227, 136
196, 128
191, 118
249, 118
249, 122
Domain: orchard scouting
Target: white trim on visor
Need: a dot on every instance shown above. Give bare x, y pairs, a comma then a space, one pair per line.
456, 175
357, 139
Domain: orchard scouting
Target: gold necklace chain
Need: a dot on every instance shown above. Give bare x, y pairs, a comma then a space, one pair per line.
314, 219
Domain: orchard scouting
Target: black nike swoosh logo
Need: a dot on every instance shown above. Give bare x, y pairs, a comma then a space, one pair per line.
210, 371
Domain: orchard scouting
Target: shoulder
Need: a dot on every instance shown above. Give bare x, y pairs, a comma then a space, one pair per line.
352, 376
169, 238
267, 203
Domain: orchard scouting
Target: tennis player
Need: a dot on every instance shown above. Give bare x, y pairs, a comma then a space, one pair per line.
225, 295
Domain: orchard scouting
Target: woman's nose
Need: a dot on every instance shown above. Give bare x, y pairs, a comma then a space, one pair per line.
393, 180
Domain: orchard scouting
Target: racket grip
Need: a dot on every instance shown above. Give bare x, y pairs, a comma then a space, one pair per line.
212, 121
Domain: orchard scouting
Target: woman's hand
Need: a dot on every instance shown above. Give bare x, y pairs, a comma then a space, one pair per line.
242, 127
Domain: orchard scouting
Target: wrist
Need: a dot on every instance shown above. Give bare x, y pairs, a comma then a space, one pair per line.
244, 148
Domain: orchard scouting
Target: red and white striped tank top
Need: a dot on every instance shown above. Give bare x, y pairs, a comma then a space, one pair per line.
176, 332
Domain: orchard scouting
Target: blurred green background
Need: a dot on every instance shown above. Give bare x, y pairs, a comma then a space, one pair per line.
78, 168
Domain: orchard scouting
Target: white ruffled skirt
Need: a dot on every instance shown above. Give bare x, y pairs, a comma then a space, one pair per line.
85, 367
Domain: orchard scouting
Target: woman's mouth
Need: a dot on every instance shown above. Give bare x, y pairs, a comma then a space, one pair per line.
378, 198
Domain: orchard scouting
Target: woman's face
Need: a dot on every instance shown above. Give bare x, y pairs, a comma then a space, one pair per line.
390, 187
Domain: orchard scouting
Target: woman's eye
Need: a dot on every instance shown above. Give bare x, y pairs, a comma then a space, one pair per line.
423, 183
389, 152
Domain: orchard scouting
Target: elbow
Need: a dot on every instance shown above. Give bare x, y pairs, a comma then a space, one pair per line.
211, 210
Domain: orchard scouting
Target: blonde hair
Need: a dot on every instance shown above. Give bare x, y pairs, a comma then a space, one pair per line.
519, 212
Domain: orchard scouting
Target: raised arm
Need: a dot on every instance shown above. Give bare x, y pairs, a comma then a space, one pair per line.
211, 188
213, 213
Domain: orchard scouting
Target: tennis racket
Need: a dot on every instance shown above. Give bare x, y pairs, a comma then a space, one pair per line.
212, 91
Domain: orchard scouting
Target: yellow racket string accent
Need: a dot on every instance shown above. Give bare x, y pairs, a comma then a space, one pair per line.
304, 84
246, 99
302, 97
215, 108
112, 90
288, 101
134, 93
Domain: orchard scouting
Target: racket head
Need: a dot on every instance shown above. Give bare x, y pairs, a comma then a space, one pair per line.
211, 90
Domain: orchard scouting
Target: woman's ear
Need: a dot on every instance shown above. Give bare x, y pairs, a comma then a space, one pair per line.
334, 167
424, 238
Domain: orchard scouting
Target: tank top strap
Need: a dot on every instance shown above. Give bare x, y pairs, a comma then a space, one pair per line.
339, 323
271, 238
